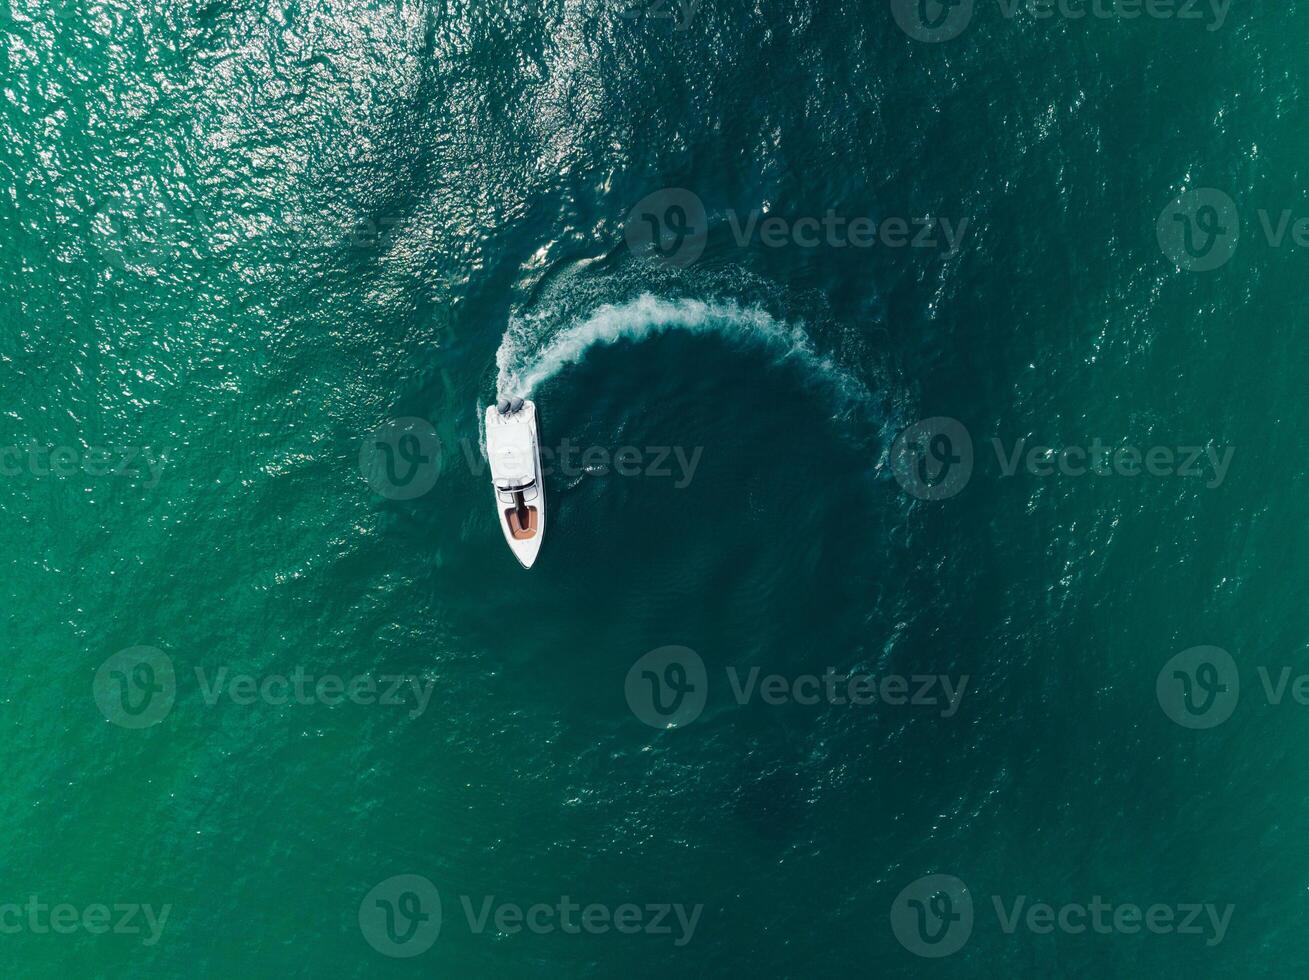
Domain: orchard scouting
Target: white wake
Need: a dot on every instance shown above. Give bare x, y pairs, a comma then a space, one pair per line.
528, 356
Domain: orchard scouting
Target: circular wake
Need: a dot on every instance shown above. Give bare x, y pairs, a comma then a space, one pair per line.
529, 355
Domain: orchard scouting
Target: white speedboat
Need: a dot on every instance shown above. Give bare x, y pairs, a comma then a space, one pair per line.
513, 446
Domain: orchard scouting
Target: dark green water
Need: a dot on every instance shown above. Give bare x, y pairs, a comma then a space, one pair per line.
238, 240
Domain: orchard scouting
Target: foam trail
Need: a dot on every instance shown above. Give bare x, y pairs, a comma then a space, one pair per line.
521, 371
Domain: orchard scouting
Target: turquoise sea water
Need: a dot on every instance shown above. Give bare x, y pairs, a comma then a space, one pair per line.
254, 254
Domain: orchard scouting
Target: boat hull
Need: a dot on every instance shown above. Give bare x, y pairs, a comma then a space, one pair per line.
514, 446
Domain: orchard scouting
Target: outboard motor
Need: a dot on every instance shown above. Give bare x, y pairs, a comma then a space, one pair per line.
502, 406
515, 406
